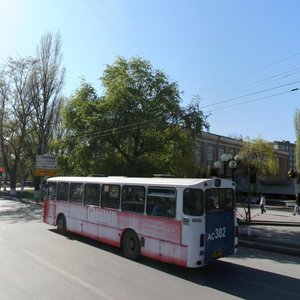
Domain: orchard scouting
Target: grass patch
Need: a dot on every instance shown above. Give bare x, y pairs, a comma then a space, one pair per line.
26, 194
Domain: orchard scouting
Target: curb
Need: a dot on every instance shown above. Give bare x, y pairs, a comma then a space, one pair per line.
271, 223
269, 246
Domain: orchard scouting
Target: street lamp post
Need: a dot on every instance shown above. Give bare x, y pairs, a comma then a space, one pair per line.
232, 165
227, 160
217, 166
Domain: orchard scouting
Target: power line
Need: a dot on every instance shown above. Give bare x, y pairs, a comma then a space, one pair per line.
252, 100
121, 26
250, 94
254, 71
96, 11
269, 79
116, 130
124, 128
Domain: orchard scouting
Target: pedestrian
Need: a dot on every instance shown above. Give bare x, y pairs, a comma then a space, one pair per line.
262, 203
297, 203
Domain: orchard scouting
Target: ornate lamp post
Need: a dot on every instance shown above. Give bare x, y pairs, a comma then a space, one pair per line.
232, 165
217, 166
227, 160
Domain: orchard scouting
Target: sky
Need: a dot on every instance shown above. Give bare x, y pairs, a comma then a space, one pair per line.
241, 57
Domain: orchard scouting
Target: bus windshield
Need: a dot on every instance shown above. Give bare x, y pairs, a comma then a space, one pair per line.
219, 200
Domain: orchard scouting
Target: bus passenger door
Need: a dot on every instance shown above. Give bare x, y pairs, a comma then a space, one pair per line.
50, 212
219, 235
50, 204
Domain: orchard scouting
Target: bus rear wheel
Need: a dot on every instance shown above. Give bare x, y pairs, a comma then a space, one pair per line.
61, 224
131, 245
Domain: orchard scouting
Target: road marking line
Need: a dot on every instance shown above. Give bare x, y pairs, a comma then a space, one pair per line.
68, 275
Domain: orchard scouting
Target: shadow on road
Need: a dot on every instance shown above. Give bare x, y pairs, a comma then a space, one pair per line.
233, 279
15, 211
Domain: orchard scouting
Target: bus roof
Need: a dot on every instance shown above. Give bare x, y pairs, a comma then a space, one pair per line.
135, 180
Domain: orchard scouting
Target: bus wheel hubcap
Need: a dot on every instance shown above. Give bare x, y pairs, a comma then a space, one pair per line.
131, 244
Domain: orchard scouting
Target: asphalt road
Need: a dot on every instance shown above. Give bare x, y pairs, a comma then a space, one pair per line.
38, 263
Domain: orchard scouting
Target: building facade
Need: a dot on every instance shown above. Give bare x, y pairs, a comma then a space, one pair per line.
290, 148
210, 147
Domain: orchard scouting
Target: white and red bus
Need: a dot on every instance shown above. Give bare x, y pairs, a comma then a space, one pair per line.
188, 222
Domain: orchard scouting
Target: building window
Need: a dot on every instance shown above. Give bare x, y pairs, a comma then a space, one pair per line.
221, 151
231, 151
210, 154
199, 152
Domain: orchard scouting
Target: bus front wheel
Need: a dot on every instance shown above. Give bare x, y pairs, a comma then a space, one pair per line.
61, 224
131, 245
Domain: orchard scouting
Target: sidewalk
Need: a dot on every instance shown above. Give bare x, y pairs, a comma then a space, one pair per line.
276, 215
277, 230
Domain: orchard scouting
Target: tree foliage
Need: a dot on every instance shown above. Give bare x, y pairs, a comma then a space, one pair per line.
16, 110
82, 149
297, 130
30, 93
47, 80
257, 156
137, 127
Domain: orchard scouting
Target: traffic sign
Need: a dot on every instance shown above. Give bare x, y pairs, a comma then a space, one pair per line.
46, 162
45, 172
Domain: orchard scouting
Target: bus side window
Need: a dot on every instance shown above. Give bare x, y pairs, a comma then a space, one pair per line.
63, 191
133, 198
91, 194
110, 196
156, 206
161, 202
76, 192
193, 202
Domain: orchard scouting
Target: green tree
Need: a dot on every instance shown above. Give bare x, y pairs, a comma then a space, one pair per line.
297, 130
137, 126
47, 78
258, 159
80, 150
15, 113
30, 93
